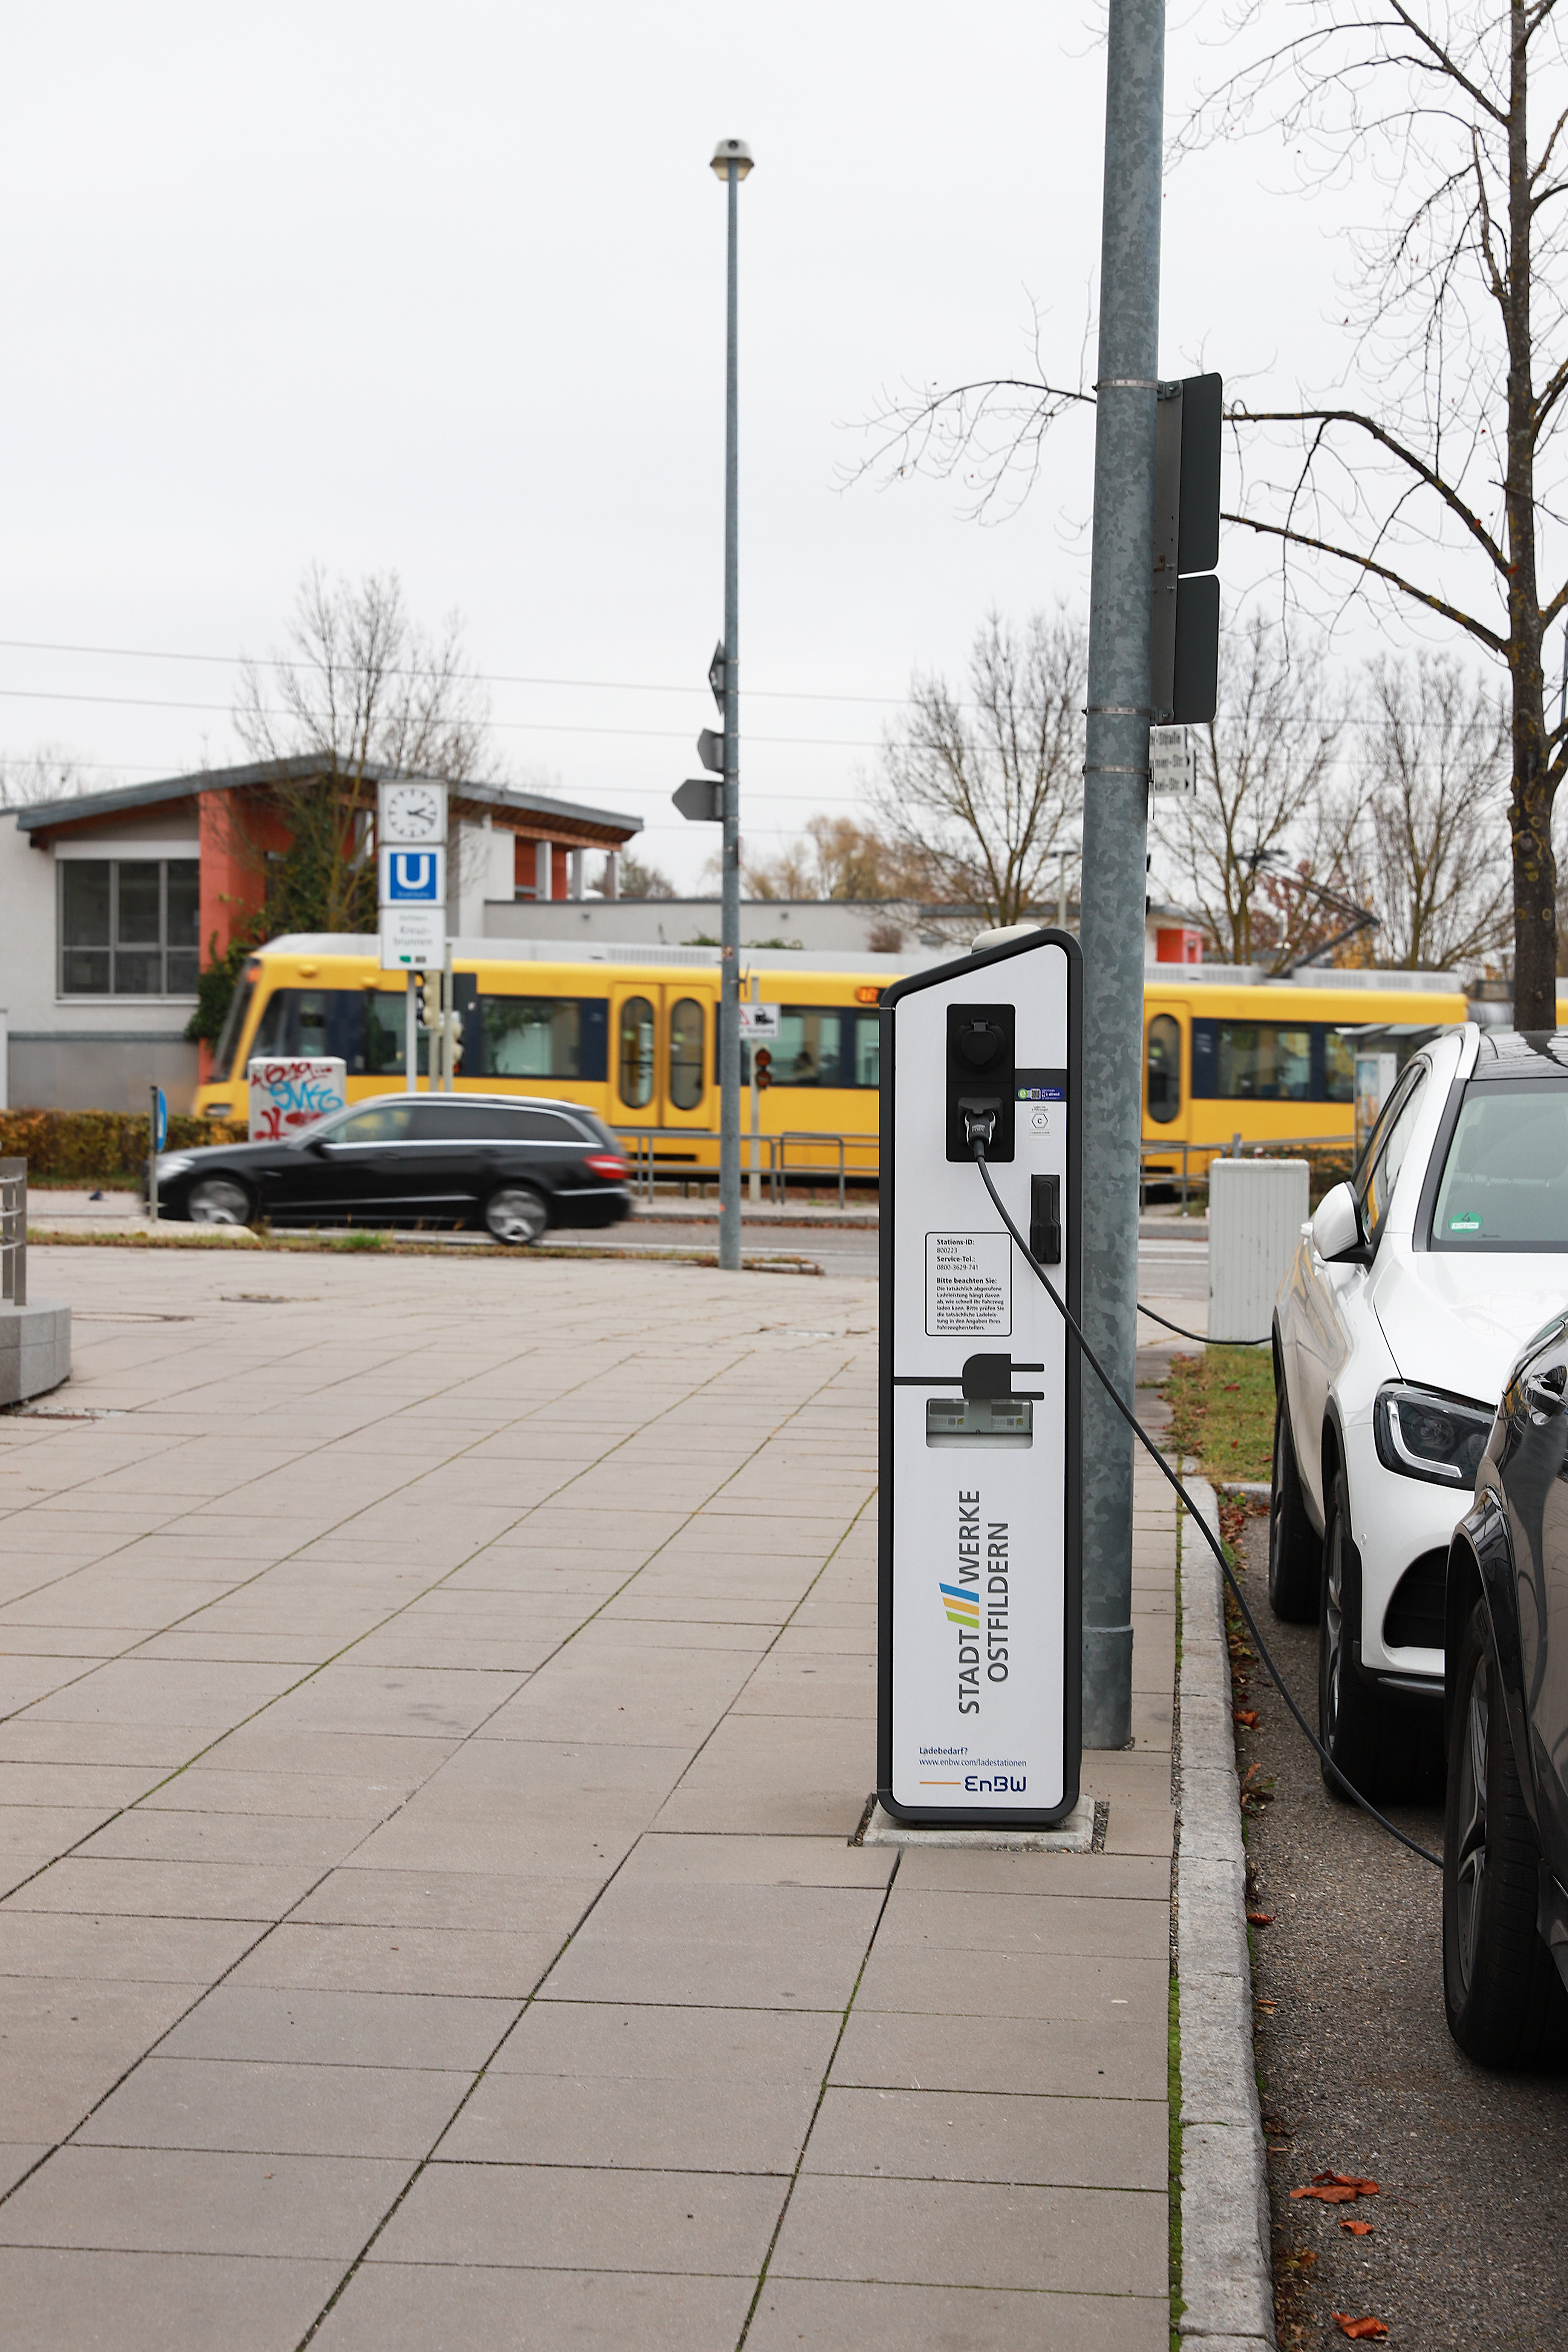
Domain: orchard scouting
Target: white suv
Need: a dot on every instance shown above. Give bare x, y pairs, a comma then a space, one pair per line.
1408, 1299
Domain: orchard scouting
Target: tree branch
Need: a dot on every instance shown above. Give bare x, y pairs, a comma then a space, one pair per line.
1396, 448
1477, 629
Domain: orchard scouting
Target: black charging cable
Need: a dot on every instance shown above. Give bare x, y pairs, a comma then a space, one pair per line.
977, 1141
1182, 1333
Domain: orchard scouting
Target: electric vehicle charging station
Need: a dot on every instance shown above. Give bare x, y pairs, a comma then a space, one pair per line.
980, 1617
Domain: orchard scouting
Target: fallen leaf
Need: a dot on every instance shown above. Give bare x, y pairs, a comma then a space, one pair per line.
1356, 2229
1337, 2187
1356, 2328
1247, 1715
1260, 1918
1306, 2260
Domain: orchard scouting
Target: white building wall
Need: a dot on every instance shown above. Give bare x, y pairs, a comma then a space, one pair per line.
479, 866
85, 1052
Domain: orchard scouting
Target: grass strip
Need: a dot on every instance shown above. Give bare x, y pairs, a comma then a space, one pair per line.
1222, 1411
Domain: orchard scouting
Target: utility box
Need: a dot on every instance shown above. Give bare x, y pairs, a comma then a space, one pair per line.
288, 1094
979, 1617
1256, 1211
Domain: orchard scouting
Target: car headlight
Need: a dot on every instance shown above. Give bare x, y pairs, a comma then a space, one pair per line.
172, 1164
1423, 1435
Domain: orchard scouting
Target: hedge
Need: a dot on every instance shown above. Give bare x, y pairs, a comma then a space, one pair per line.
97, 1146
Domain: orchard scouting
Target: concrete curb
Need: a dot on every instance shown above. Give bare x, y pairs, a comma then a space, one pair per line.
1228, 2282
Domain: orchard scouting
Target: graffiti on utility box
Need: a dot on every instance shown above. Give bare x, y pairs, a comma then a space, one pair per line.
286, 1096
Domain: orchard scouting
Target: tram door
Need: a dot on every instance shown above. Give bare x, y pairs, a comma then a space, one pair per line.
661, 1063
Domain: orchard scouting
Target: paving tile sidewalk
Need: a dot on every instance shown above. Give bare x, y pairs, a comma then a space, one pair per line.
438, 1698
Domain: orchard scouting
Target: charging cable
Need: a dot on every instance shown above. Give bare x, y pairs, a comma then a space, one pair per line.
1183, 1334
978, 1131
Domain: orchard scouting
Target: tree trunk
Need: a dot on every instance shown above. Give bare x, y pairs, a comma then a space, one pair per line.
1530, 815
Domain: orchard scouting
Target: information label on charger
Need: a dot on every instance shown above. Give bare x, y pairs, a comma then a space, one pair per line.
969, 1285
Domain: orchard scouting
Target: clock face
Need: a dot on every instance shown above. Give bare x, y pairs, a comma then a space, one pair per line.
414, 812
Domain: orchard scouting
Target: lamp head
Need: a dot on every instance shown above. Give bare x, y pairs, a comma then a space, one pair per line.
731, 151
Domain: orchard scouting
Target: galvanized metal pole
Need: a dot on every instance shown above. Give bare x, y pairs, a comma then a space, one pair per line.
1115, 820
729, 926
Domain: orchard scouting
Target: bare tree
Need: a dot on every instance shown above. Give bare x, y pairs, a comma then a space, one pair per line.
634, 879
357, 684
1426, 849
47, 773
1439, 483
1261, 805
356, 687
977, 793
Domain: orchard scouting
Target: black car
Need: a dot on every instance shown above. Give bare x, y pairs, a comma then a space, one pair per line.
1505, 1844
515, 1165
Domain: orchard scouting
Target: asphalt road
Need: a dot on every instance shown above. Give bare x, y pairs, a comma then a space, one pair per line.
1469, 2243
1166, 1270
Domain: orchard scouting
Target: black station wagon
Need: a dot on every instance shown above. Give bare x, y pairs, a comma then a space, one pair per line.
512, 1164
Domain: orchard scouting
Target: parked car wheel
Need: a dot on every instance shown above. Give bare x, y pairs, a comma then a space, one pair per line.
218, 1200
516, 1214
1350, 1716
1505, 2000
1295, 1555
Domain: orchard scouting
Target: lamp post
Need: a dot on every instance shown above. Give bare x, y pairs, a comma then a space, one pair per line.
731, 161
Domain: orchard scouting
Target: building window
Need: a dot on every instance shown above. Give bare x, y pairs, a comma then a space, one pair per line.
128, 926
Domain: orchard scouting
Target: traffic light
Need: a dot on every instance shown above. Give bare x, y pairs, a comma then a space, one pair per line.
761, 1068
425, 1000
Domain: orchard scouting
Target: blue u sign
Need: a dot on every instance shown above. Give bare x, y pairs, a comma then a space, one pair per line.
414, 873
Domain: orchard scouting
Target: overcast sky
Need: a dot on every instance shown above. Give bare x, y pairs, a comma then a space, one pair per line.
441, 288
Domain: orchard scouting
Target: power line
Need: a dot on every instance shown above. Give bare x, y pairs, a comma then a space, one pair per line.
458, 677
509, 726
504, 677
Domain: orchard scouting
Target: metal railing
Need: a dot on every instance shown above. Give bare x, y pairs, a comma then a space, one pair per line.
641, 1148
13, 1232
779, 1172
1239, 1148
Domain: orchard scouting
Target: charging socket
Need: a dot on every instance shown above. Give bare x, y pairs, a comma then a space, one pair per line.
982, 1076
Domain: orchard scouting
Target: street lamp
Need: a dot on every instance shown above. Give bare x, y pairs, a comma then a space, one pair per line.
731, 163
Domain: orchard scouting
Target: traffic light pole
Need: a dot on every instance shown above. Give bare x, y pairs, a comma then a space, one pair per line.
729, 926
1116, 788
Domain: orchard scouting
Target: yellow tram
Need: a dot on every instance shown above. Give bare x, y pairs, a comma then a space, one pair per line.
635, 1042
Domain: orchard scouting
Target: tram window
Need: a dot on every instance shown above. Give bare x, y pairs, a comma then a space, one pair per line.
314, 1021
1164, 1065
535, 1037
1253, 1061
825, 1046
636, 1053
1339, 1068
685, 1053
867, 1049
